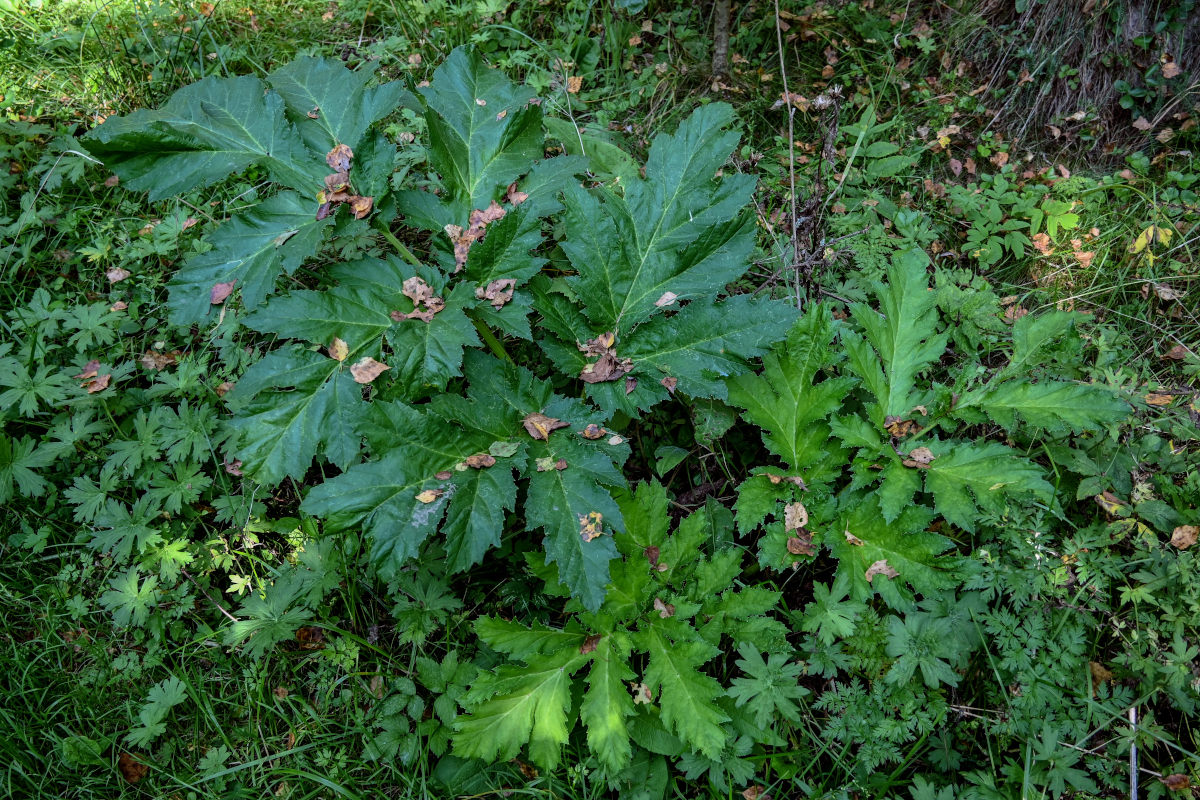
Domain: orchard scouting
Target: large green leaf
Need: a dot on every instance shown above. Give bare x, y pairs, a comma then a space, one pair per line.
575, 509
863, 539
249, 250
203, 133
291, 405
903, 334
783, 401
686, 695
331, 104
518, 704
965, 477
607, 705
699, 347
483, 132
1054, 405
356, 316
679, 230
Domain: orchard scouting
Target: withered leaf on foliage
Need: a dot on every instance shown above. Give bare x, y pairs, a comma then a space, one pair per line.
220, 292
337, 182
801, 544
599, 345
1014, 313
90, 370
421, 294
1157, 399
528, 771
339, 158
795, 480
641, 694
498, 292
117, 274
98, 383
131, 767
880, 567
630, 385
476, 228
311, 638
338, 349
480, 461
1111, 504
919, 458
367, 369
667, 299
224, 388
795, 517
512, 195
158, 361
589, 644
1184, 536
593, 432
669, 383
1177, 782
444, 475
854, 540
1176, 353
590, 525
652, 554
429, 495
898, 426
539, 426
665, 610
607, 368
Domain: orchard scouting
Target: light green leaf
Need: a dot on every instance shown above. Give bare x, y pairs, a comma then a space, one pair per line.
516, 705
607, 705
688, 696
966, 477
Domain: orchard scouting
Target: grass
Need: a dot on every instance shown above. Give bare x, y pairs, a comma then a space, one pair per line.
297, 725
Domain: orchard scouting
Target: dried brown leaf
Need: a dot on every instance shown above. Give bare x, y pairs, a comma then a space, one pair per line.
539, 426
795, 517
429, 495
665, 610
131, 767
593, 432
480, 461
880, 567
589, 644
220, 292
1184, 536
116, 274
339, 158
367, 369
498, 292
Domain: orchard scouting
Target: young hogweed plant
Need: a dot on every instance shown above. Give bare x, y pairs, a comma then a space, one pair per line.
876, 458
405, 354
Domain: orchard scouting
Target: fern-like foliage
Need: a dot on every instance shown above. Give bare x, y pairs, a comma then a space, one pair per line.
669, 604
868, 484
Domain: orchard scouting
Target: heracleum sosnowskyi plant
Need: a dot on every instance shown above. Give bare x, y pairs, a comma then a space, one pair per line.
392, 350
873, 453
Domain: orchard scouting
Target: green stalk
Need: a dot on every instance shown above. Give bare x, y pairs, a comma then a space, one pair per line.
489, 338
